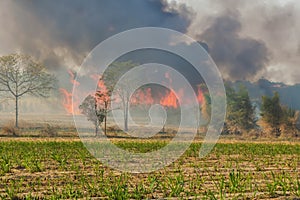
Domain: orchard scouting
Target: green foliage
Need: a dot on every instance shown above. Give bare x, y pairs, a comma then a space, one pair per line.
240, 111
5, 164
271, 110
114, 72
289, 116
277, 115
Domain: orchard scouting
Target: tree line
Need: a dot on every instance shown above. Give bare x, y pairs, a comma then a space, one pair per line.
271, 116
21, 75
242, 115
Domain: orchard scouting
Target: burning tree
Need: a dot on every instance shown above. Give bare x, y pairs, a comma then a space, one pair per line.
90, 109
96, 107
111, 77
103, 100
21, 75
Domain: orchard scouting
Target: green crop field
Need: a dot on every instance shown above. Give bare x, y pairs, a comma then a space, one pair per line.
54, 169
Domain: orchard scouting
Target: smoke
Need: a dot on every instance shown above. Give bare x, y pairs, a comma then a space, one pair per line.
61, 32
279, 27
269, 24
247, 39
238, 57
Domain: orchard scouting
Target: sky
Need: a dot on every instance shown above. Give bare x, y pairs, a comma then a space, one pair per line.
246, 39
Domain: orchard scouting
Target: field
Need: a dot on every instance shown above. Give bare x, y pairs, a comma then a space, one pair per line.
64, 169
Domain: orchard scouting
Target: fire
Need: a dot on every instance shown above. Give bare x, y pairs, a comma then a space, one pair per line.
67, 100
101, 94
200, 96
100, 83
67, 96
102, 87
145, 96
142, 97
72, 78
169, 100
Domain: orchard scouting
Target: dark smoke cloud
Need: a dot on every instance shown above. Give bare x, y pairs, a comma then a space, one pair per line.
274, 24
238, 57
62, 32
245, 38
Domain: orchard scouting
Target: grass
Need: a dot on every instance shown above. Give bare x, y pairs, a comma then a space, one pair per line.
66, 170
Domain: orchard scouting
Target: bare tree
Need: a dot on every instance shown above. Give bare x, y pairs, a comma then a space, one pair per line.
111, 77
20, 75
124, 95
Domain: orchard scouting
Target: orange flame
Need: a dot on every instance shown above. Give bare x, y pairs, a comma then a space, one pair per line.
72, 78
169, 100
67, 102
142, 97
67, 96
101, 93
200, 96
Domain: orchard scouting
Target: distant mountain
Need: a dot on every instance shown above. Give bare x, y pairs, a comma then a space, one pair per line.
289, 94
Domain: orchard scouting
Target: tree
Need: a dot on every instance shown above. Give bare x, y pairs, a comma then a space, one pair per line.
272, 112
103, 103
289, 116
96, 107
240, 111
277, 116
245, 110
111, 77
90, 109
20, 75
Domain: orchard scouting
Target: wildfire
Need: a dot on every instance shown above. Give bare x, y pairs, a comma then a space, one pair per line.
72, 78
67, 96
145, 96
169, 100
200, 96
101, 93
67, 100
142, 97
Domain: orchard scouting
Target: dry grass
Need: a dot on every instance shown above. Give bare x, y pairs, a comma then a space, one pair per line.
10, 129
